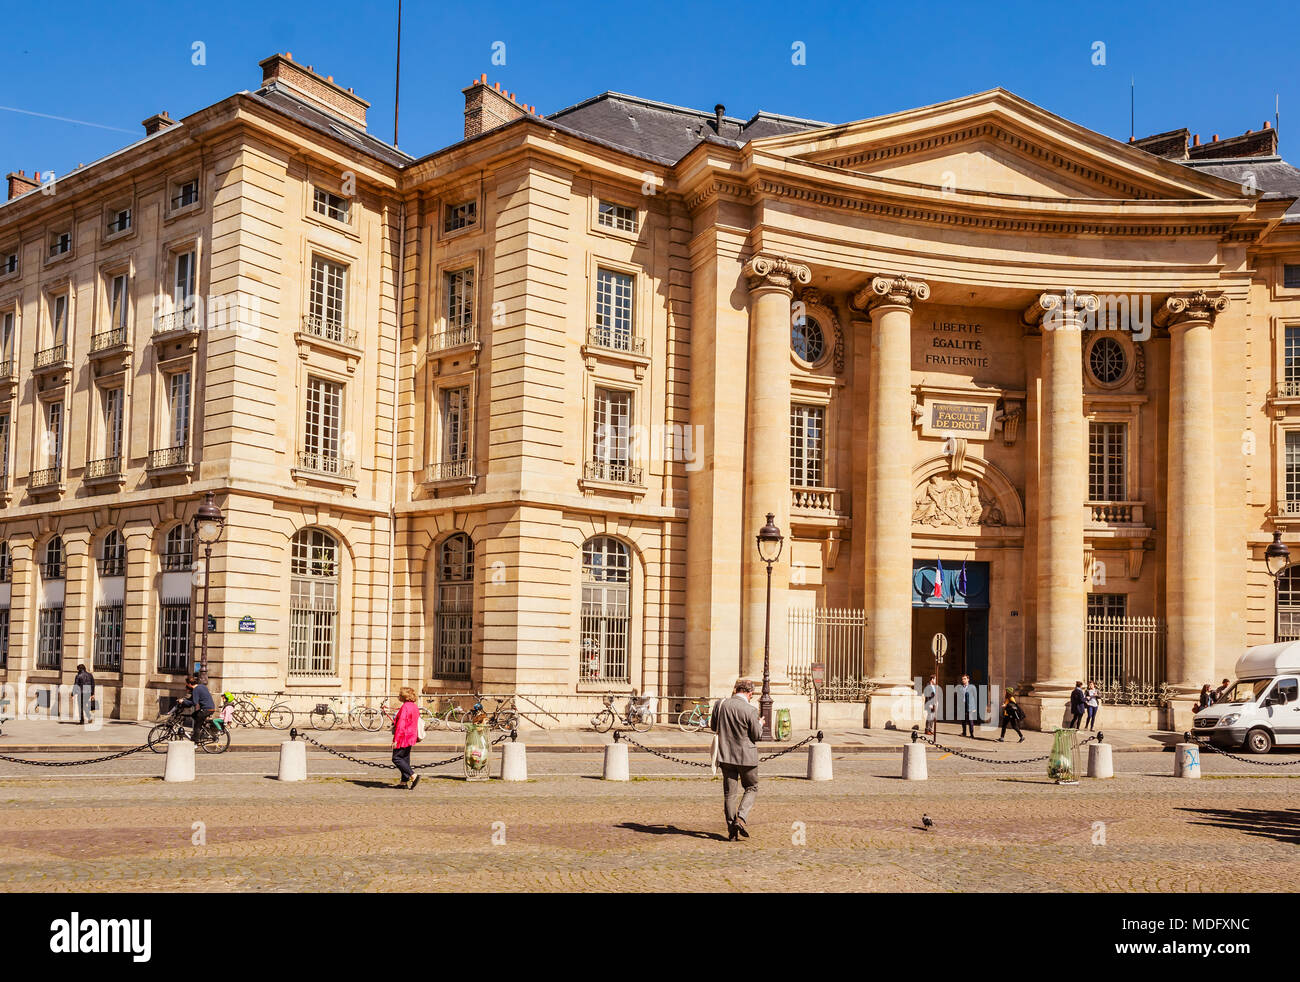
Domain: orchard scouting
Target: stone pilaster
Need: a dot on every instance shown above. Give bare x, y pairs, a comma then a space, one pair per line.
1062, 493
886, 528
1189, 569
767, 464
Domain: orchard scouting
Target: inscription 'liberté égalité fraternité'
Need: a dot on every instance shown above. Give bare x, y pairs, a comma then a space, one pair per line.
955, 345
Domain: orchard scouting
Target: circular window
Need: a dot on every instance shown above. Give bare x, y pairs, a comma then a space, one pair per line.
807, 340
1107, 361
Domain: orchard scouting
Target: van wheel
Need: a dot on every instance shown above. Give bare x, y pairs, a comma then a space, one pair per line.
1259, 741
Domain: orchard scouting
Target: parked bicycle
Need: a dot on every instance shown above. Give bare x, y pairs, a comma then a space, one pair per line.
694, 719
503, 717
376, 719
248, 712
212, 738
452, 717
323, 716
636, 715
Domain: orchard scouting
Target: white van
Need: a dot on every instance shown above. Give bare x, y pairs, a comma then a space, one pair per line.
1262, 707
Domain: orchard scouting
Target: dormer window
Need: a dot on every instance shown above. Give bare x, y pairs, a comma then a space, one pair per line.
119, 220
186, 194
459, 216
618, 217
60, 243
332, 206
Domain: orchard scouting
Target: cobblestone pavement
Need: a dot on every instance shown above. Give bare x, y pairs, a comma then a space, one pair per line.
118, 827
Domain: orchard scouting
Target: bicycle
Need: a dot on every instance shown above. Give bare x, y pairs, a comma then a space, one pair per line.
636, 716
213, 738
453, 717
375, 719
694, 719
503, 717
248, 713
323, 716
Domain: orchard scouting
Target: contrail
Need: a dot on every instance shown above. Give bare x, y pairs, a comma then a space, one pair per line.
65, 119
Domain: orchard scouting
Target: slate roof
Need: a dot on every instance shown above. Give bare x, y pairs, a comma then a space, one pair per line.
1272, 175
330, 125
664, 133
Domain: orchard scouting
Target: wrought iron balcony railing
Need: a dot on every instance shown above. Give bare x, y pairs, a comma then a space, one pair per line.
52, 355
613, 472
330, 330
185, 319
615, 340
104, 468
330, 464
107, 339
451, 470
453, 337
169, 457
7, 370
46, 477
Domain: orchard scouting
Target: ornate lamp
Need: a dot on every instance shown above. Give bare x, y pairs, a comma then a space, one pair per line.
770, 541
208, 524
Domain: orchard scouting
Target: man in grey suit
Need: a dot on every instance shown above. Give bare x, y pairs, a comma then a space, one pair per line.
736, 722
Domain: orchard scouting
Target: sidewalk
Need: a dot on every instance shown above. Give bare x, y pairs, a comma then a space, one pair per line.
49, 736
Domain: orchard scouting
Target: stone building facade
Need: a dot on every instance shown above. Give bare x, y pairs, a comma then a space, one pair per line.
507, 417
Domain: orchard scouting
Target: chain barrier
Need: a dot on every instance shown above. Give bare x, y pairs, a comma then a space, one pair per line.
917, 735
74, 763
781, 753
387, 766
1205, 744
696, 763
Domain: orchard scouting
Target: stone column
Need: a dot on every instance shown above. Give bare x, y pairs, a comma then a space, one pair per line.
1189, 535
767, 459
885, 531
1062, 493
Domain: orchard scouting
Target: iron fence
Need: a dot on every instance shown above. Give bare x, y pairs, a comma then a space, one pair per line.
1127, 655
834, 637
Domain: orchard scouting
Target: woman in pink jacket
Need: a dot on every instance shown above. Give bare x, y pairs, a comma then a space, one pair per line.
405, 734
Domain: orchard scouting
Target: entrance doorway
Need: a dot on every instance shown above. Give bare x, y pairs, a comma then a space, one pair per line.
959, 610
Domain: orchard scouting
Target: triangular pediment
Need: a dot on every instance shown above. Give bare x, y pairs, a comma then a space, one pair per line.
998, 144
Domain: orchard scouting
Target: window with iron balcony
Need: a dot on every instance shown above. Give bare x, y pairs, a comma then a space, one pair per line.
615, 329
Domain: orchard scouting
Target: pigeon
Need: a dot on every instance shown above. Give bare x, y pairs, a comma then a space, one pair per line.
927, 822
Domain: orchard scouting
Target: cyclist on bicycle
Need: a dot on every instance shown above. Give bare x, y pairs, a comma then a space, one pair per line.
198, 696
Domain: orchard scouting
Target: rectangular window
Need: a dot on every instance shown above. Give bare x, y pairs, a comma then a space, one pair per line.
4, 637
611, 428
460, 307
326, 302
108, 637
1107, 605
330, 205
619, 217
1107, 459
459, 216
113, 403
313, 612
49, 638
60, 242
614, 309
183, 291
119, 221
59, 320
187, 193
118, 307
323, 424
4, 448
806, 450
455, 424
10, 263
606, 628
1292, 477
54, 435
6, 336
178, 408
1291, 276
176, 623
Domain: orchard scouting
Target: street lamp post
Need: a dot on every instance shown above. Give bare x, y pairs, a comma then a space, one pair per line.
1278, 557
769, 550
209, 523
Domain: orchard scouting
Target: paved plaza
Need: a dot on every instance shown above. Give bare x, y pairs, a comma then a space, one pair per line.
998, 827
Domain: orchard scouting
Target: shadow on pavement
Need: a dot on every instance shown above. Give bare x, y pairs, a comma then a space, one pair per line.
671, 830
1280, 824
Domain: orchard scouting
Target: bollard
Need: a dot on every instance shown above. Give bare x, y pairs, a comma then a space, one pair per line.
615, 762
293, 761
819, 761
514, 762
1099, 761
1187, 760
180, 761
914, 762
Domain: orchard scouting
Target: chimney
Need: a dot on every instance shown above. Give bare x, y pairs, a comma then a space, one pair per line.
487, 107
1196, 140
159, 121
20, 183
718, 112
302, 83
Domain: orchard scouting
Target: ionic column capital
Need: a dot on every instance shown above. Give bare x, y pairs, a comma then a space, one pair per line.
1053, 311
1185, 308
776, 272
896, 291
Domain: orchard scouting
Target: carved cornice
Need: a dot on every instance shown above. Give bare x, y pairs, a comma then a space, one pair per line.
776, 272
1200, 306
1052, 311
713, 189
893, 290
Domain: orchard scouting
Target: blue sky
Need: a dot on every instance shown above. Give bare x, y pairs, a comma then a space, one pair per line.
1214, 68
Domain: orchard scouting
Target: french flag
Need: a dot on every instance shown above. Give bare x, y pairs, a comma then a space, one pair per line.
938, 578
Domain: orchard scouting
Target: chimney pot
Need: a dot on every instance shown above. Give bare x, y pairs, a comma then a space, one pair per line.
718, 112
1267, 125
497, 86
483, 78
1215, 138
1196, 139
288, 56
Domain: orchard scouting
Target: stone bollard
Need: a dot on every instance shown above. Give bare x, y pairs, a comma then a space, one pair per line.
914, 762
616, 762
514, 762
180, 761
1187, 760
819, 761
293, 761
1099, 760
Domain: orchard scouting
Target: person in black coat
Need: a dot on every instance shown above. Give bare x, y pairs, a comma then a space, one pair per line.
1078, 705
84, 692
968, 706
1011, 716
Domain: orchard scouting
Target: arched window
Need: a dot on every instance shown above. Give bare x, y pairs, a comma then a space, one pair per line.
108, 603
6, 575
313, 604
606, 610
49, 621
1288, 604
176, 600
454, 629
808, 340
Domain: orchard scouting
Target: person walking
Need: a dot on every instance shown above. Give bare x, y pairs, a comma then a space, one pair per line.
1012, 714
930, 696
1092, 702
967, 706
1078, 705
406, 731
738, 727
84, 688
